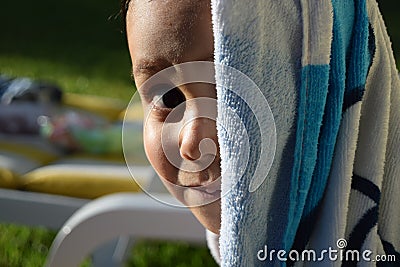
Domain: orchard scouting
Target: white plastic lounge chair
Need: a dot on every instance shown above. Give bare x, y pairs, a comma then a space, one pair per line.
115, 218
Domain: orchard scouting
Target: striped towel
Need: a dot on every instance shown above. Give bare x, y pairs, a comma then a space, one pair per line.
327, 71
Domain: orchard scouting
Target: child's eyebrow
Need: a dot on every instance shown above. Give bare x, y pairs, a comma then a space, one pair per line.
149, 67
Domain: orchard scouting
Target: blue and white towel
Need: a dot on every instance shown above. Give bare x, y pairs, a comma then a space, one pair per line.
327, 70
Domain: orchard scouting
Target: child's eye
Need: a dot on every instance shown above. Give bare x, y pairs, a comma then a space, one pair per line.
170, 99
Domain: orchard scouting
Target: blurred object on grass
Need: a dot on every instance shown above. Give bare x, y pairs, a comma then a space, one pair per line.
79, 44
21, 118
110, 108
22, 89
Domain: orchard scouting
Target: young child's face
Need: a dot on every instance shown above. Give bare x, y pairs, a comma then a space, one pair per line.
162, 34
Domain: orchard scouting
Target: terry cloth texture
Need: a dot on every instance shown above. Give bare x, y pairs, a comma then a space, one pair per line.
327, 70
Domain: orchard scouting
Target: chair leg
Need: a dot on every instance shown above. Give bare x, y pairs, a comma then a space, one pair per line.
123, 249
113, 253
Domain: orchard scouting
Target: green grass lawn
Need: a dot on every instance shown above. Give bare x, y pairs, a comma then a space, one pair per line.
28, 247
23, 246
79, 45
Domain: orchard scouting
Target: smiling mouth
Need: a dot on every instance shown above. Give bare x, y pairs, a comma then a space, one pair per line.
199, 197
205, 189
202, 195
197, 189
213, 187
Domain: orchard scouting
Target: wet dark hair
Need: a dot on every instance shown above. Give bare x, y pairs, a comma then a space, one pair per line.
124, 9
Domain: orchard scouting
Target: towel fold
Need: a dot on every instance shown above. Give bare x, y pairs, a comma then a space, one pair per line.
327, 71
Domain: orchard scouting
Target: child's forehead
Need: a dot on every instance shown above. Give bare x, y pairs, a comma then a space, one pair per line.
168, 9
148, 4
165, 28
163, 18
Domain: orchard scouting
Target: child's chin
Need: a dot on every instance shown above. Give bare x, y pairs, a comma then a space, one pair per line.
205, 207
209, 215
193, 197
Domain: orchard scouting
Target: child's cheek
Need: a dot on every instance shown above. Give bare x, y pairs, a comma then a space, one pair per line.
155, 152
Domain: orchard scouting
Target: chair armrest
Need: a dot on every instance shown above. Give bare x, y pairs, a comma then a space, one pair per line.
121, 214
32, 208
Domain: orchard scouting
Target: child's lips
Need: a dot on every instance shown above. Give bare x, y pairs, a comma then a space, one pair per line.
200, 196
210, 187
206, 190
203, 194
213, 191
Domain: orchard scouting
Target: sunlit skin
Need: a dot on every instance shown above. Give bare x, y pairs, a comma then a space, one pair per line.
162, 34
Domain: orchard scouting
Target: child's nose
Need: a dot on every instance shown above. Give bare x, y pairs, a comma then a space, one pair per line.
191, 136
